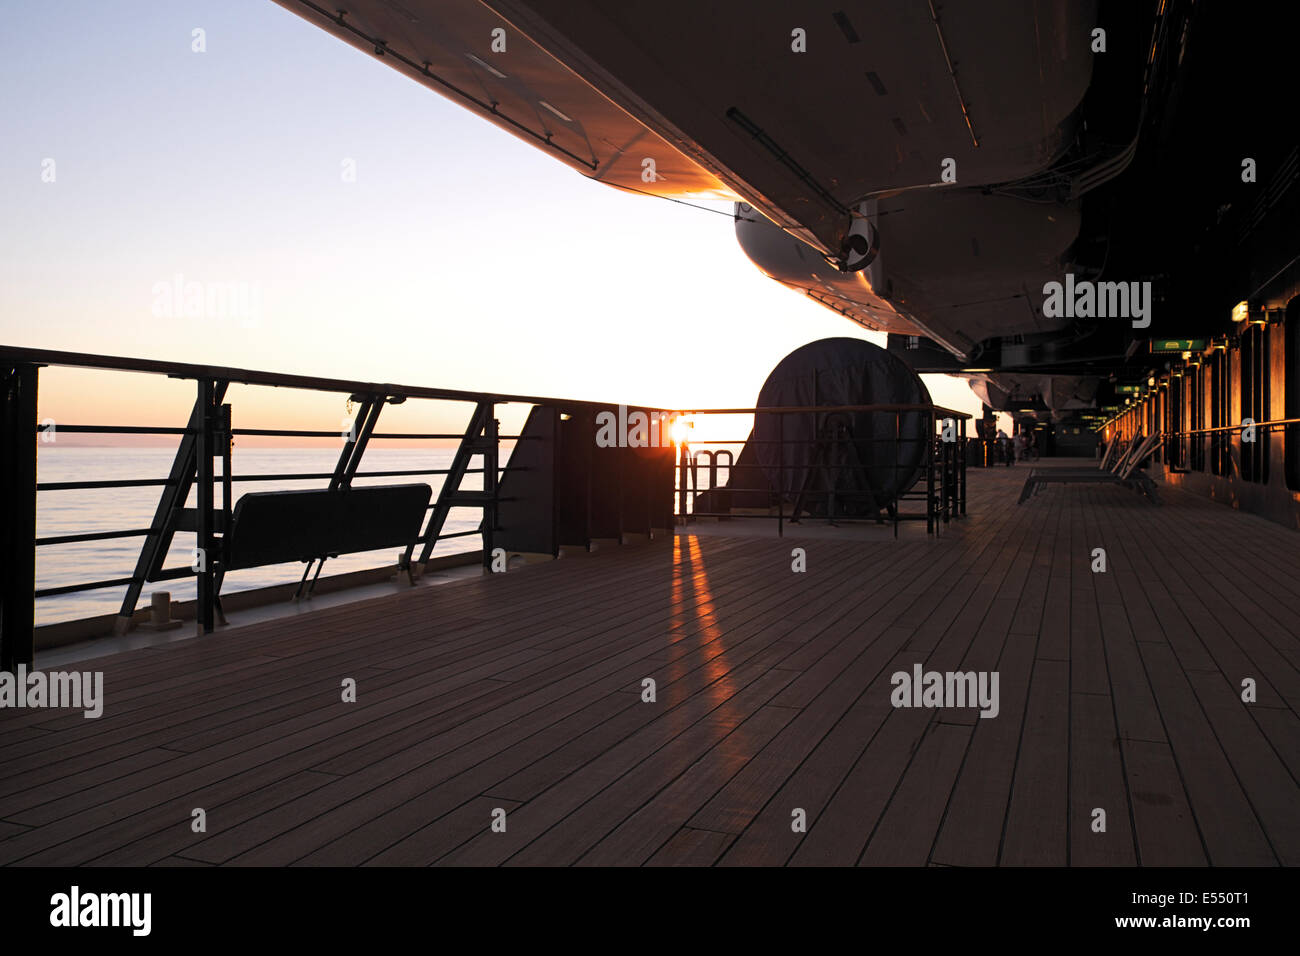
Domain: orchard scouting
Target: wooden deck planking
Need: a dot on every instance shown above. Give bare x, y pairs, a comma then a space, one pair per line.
1097, 783
770, 833
705, 653
971, 832
1228, 824
522, 692
1034, 832
1163, 822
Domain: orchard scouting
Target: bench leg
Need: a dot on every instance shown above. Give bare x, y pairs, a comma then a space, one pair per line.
320, 565
1030, 487
216, 596
297, 594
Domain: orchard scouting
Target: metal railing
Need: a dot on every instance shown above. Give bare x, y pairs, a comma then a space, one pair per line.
1178, 450
205, 442
940, 469
207, 438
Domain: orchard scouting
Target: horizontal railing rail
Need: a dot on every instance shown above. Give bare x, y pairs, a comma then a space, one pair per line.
794, 409
242, 376
1275, 423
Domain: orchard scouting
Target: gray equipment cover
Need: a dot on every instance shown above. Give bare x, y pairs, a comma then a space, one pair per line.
877, 455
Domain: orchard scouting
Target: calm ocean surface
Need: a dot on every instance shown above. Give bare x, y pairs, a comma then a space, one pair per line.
117, 509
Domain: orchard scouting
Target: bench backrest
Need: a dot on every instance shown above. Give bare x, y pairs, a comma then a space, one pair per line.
1126, 452
1147, 447
1110, 450
274, 527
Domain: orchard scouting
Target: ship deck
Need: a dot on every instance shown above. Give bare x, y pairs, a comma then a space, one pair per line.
522, 692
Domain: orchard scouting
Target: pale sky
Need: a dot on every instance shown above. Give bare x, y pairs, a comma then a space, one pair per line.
460, 257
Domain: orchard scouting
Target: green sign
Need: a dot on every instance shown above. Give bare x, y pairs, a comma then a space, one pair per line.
1128, 389
1177, 345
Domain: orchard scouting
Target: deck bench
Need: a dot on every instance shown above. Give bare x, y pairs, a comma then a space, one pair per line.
276, 527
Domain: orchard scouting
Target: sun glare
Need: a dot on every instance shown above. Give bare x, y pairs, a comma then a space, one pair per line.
682, 429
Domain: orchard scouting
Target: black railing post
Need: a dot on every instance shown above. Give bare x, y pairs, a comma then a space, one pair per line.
175, 492
929, 476
225, 448
204, 612
470, 445
491, 450
18, 515
949, 478
620, 465
961, 466
355, 447
898, 457
780, 474
897, 504
681, 481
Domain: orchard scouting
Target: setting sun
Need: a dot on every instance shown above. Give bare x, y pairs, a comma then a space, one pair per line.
682, 429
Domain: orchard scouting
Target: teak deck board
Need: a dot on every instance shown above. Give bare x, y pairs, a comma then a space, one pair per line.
522, 693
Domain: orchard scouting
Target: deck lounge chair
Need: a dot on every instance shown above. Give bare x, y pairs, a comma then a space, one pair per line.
1124, 471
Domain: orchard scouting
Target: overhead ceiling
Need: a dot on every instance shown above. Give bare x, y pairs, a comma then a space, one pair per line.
715, 94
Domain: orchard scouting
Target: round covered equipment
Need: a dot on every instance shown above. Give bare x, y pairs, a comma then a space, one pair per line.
859, 460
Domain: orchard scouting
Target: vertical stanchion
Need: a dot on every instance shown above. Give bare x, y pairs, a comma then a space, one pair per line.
693, 470
949, 491
18, 516
832, 476
898, 495
941, 505
588, 480
929, 477
491, 449
681, 482
204, 618
226, 441
961, 465
898, 458
780, 474
620, 467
